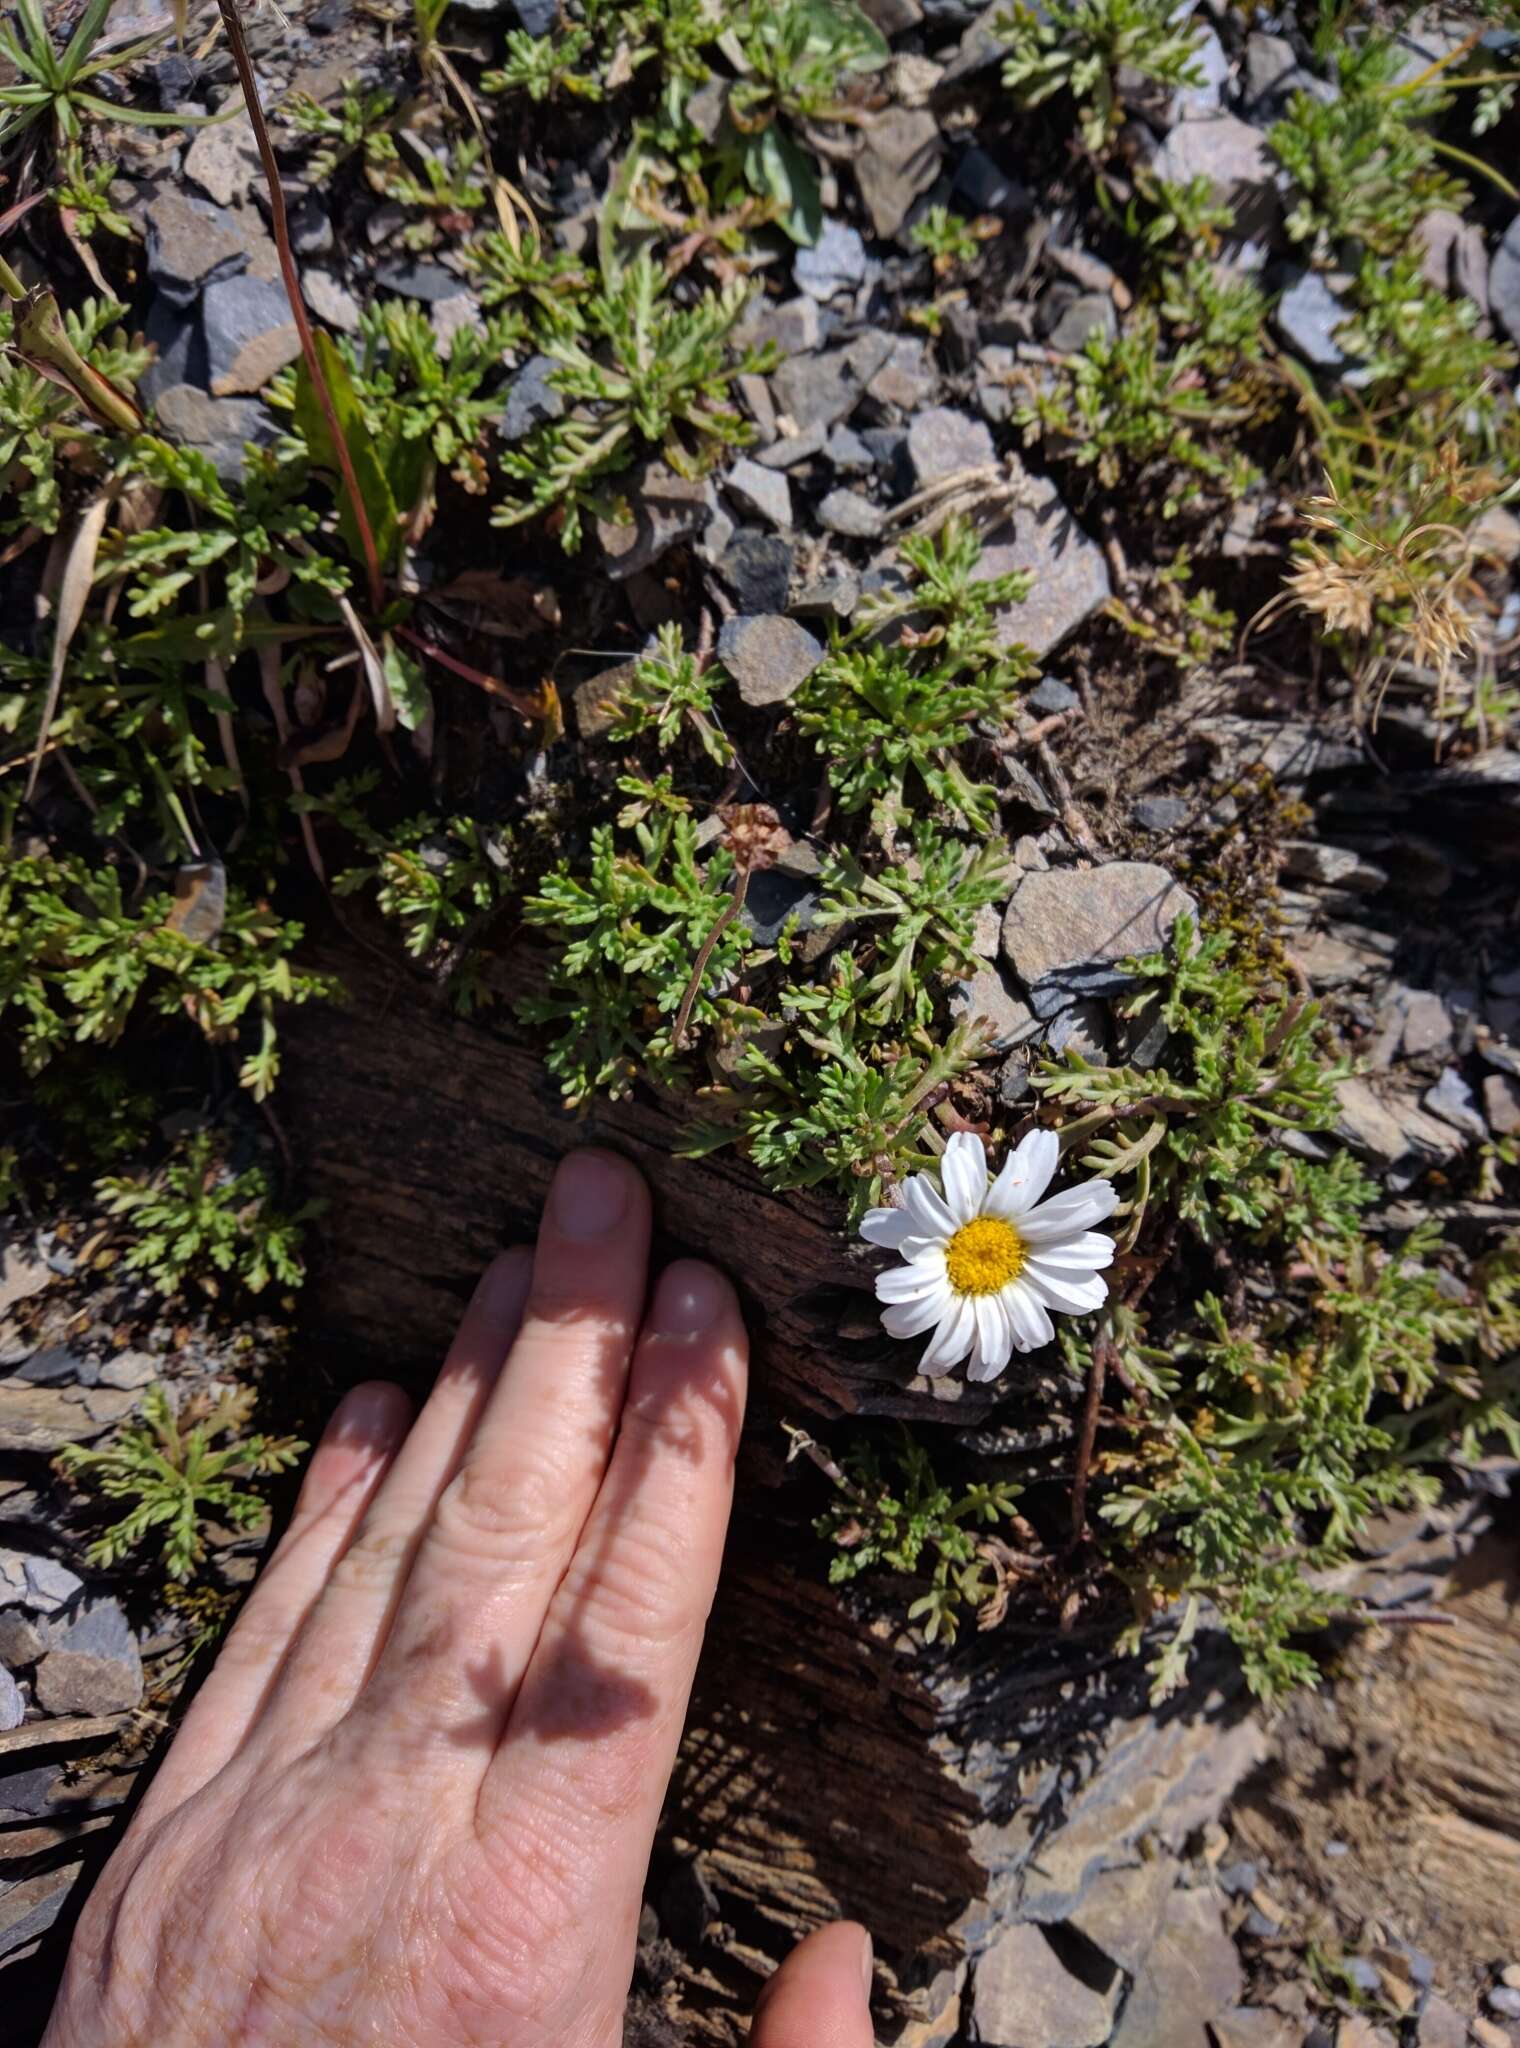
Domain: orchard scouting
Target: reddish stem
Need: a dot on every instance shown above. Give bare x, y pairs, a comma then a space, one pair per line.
292, 281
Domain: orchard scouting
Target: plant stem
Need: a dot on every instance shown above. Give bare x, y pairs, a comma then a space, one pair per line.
725, 918
292, 282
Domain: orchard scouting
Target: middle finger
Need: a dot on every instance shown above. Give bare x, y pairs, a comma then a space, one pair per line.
506, 1525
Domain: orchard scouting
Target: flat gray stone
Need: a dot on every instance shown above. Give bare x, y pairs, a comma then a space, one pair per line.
191, 244
943, 442
1023, 1996
908, 378
757, 567
22, 1274
985, 996
1079, 319
1453, 256
835, 263
769, 657
898, 162
1069, 572
1387, 1130
1307, 318
821, 390
1191, 1976
12, 1705
666, 509
219, 428
1452, 1100
1234, 158
532, 401
764, 493
249, 334
595, 700
92, 1665
44, 1419
851, 515
1333, 867
1067, 929
1202, 102
28, 1909
1256, 2026
1123, 1909
333, 303
1504, 281
1501, 1104
129, 1369
21, 1640
1428, 1032
223, 160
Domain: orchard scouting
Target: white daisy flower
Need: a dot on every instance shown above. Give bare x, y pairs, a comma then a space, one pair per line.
984, 1265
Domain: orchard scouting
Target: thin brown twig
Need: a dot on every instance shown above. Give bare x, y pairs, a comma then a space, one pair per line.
292, 281
724, 919
1097, 1373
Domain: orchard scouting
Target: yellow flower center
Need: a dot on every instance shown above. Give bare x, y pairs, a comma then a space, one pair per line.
984, 1255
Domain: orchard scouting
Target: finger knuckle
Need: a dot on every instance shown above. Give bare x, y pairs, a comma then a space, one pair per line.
372, 1562
502, 1510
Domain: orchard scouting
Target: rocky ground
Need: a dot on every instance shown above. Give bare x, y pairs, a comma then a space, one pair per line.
1336, 1877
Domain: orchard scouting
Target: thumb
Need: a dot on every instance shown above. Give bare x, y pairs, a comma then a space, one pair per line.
821, 1995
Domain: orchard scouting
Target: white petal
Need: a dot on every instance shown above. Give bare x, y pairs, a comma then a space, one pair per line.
912, 1318
1026, 1174
951, 1341
1027, 1319
926, 1206
908, 1283
994, 1339
1088, 1253
1072, 1210
886, 1227
1064, 1291
963, 1170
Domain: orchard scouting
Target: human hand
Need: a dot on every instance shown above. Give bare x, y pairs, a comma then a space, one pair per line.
414, 1800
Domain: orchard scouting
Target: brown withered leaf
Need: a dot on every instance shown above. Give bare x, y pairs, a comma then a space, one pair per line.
504, 607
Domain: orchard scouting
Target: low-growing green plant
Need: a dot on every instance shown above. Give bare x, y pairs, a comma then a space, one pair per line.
359, 116
193, 1218
1081, 46
819, 1095
78, 961
946, 237
83, 191
669, 691
436, 878
896, 1515
882, 710
922, 912
44, 437
55, 85
1261, 1446
1246, 1065
1126, 403
629, 932
179, 1476
446, 188
643, 375
1365, 161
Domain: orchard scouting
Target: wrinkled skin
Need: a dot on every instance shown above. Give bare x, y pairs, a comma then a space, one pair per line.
413, 1803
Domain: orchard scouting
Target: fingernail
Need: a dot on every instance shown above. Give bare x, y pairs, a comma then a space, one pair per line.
690, 1297
370, 1410
867, 1962
590, 1194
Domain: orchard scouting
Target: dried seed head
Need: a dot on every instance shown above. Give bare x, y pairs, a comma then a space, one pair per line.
754, 835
